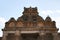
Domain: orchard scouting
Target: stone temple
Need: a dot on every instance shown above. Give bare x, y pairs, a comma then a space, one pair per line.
30, 26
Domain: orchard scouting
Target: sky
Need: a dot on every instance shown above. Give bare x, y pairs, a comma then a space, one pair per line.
14, 8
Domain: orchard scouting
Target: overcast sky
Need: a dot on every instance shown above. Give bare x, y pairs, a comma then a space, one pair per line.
14, 8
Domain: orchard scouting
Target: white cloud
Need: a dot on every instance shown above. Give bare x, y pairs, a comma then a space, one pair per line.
49, 12
58, 11
2, 21
46, 12
2, 24
1, 33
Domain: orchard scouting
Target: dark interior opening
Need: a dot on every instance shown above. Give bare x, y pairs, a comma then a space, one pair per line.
31, 36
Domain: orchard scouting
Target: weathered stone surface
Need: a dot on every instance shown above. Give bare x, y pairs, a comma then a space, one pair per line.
30, 26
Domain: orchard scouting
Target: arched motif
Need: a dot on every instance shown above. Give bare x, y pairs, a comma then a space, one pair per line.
48, 19
19, 24
12, 24
40, 24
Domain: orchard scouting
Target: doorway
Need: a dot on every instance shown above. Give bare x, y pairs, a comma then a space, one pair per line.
31, 36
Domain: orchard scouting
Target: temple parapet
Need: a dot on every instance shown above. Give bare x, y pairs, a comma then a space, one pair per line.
30, 26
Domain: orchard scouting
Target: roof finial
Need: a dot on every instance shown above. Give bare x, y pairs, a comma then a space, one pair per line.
48, 18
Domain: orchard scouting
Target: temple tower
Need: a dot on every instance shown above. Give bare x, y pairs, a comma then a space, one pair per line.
30, 26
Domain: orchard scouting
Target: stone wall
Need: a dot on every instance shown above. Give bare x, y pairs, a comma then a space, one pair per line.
0, 38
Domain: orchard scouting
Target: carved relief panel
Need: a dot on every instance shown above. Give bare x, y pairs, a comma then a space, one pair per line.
12, 24
19, 24
30, 24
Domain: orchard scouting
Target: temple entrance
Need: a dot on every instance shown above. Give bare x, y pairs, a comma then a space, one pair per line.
32, 36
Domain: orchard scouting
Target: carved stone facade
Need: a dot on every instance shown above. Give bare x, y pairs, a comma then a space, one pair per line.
30, 26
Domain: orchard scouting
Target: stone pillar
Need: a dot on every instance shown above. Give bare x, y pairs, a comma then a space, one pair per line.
17, 35
55, 36
41, 35
4, 36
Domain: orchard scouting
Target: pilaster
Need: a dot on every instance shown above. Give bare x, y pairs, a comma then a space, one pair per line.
55, 36
4, 36
18, 35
